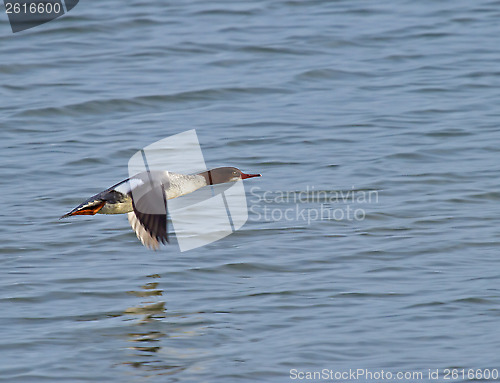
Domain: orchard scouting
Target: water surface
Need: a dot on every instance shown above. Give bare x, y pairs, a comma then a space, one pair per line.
322, 98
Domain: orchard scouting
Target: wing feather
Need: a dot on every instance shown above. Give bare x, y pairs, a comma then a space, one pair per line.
149, 215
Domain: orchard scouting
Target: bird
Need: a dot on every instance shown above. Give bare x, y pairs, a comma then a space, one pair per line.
143, 197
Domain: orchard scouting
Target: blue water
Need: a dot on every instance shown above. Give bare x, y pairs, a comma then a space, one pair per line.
325, 99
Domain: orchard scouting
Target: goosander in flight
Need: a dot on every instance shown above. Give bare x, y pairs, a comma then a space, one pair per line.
144, 196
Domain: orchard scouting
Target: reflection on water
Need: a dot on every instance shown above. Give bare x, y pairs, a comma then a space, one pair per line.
147, 342
150, 309
160, 346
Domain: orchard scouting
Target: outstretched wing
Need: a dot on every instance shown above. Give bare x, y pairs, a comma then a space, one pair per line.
149, 215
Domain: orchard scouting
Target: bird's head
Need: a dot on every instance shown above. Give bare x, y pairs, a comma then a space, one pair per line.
225, 174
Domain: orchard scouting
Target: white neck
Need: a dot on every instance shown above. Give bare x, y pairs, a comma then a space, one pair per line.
181, 184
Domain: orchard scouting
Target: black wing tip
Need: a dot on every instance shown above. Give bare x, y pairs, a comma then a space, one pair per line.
156, 225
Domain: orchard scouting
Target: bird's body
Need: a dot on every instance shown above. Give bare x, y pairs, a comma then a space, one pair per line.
144, 197
176, 185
